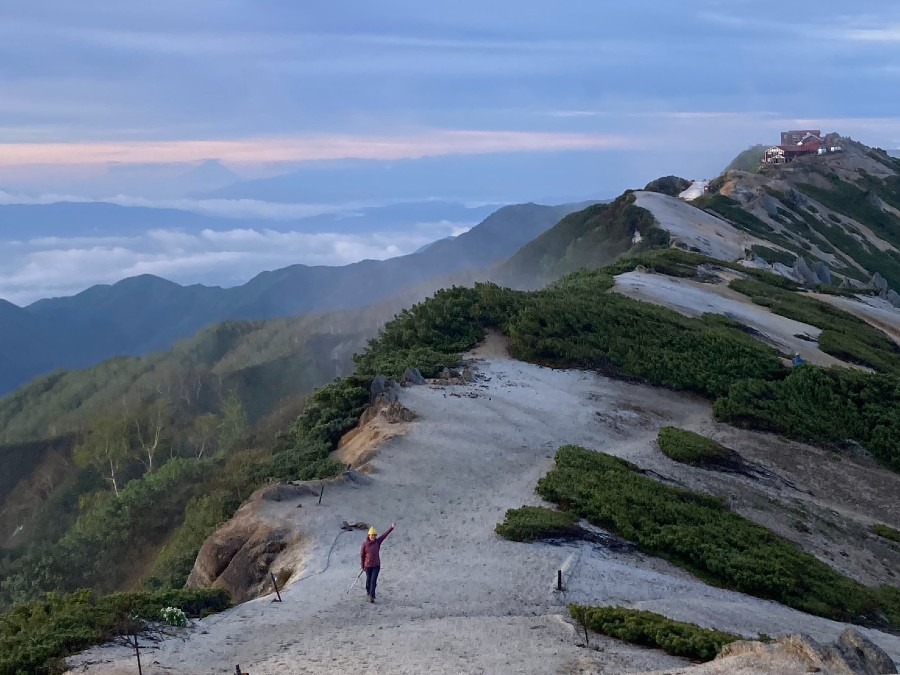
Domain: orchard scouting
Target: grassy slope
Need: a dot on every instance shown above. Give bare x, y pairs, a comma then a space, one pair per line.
587, 239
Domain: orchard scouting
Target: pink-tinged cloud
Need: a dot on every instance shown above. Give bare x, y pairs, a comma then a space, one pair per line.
307, 148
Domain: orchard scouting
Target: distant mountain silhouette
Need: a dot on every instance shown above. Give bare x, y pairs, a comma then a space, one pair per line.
146, 313
70, 219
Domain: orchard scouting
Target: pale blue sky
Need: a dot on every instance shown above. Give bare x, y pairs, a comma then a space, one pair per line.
510, 101
169, 70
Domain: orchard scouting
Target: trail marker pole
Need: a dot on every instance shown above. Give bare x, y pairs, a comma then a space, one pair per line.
321, 492
559, 585
275, 584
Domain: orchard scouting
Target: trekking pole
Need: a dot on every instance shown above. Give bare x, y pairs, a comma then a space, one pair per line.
355, 580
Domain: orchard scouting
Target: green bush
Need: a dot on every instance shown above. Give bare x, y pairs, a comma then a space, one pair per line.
34, 635
698, 533
108, 542
843, 335
427, 336
668, 185
887, 532
689, 448
532, 523
569, 325
653, 630
672, 262
821, 406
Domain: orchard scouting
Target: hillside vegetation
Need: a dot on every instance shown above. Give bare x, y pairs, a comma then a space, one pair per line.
589, 239
822, 208
698, 533
126, 468
142, 314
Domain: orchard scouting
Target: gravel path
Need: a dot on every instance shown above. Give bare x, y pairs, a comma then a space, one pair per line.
453, 596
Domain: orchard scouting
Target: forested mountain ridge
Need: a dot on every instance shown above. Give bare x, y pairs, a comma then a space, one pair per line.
583, 320
145, 313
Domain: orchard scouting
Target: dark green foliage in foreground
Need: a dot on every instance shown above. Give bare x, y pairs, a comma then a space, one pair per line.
653, 630
886, 531
698, 533
843, 335
689, 448
34, 635
533, 523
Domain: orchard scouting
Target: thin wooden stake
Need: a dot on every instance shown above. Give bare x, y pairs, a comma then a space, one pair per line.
275, 584
321, 492
559, 580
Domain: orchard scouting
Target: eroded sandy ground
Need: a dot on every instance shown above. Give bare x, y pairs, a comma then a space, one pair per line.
453, 596
696, 229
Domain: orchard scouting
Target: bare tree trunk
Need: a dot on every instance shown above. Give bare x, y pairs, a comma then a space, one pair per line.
112, 477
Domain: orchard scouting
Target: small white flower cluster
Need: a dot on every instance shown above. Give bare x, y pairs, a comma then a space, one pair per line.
174, 616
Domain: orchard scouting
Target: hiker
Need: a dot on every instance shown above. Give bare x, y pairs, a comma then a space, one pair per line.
370, 560
797, 360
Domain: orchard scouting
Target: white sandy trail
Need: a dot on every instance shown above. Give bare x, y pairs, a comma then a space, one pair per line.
453, 596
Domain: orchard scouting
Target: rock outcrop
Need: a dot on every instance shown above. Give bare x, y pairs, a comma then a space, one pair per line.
238, 557
851, 654
413, 376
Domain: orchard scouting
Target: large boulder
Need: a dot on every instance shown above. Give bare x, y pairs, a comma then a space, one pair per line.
238, 556
823, 274
893, 297
803, 272
770, 205
878, 284
413, 376
851, 654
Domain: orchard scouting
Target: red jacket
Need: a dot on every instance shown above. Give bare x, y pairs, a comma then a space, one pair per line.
369, 554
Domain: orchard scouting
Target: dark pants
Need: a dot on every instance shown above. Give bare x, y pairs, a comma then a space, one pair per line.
371, 579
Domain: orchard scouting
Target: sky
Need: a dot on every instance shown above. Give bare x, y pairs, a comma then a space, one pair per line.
122, 100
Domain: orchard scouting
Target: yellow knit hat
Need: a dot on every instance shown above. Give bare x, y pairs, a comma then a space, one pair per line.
372, 530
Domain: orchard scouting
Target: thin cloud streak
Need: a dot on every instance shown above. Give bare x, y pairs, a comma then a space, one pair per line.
310, 148
52, 266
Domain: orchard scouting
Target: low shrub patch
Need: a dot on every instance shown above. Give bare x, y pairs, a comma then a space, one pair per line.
34, 635
689, 448
887, 532
843, 335
698, 533
532, 523
821, 406
653, 630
